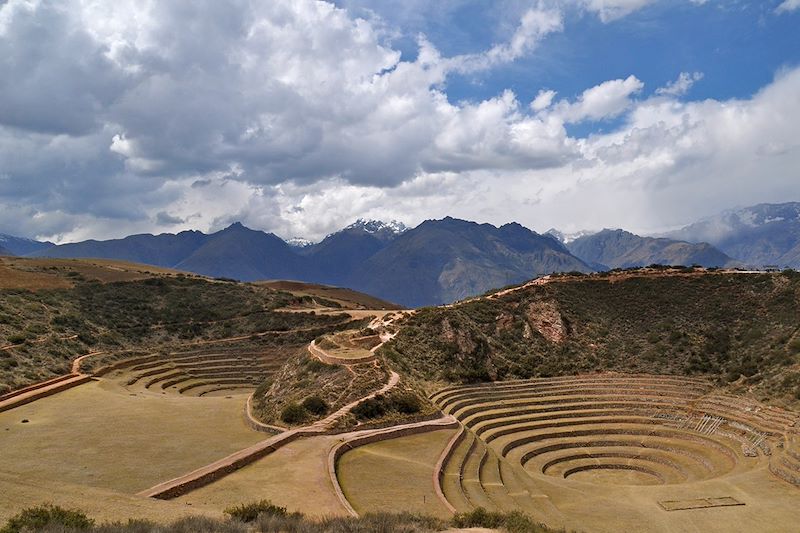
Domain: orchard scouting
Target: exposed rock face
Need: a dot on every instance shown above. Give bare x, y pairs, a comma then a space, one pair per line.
461, 339
544, 317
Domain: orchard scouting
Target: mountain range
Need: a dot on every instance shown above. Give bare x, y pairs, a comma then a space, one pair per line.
616, 248
763, 234
441, 261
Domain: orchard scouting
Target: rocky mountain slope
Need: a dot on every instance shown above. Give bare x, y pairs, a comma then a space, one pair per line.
616, 248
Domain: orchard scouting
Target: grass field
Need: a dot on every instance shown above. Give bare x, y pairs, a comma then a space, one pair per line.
394, 475
19, 491
295, 477
102, 435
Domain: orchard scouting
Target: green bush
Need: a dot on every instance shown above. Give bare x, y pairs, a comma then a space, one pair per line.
35, 518
294, 413
315, 405
406, 403
249, 512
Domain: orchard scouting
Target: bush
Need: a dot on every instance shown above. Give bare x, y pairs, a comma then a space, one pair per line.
293, 413
315, 405
249, 512
17, 339
36, 518
407, 403
372, 408
514, 521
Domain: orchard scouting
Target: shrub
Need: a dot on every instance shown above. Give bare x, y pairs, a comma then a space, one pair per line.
478, 517
17, 339
514, 521
407, 403
293, 413
315, 405
249, 512
372, 408
36, 518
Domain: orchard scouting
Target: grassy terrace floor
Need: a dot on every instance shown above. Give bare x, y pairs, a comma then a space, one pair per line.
294, 476
103, 435
395, 474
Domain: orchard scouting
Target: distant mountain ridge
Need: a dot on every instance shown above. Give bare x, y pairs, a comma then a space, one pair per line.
20, 246
616, 248
763, 234
437, 262
444, 260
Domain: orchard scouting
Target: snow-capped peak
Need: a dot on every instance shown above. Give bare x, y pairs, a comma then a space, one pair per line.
298, 242
378, 226
566, 238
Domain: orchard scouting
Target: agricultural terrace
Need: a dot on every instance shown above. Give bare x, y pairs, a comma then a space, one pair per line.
639, 450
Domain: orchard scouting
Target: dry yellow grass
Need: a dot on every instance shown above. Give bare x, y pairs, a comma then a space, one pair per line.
45, 273
347, 298
13, 278
395, 475
19, 491
295, 477
102, 435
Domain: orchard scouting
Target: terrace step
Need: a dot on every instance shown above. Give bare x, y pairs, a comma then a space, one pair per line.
492, 482
476, 494
451, 481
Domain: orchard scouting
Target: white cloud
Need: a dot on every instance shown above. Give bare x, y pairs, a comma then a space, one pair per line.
296, 117
543, 100
680, 86
534, 25
606, 100
787, 6
609, 10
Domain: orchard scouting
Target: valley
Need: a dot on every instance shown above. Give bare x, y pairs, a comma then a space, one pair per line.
642, 393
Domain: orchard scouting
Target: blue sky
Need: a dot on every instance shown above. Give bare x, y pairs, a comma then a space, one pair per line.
737, 45
300, 116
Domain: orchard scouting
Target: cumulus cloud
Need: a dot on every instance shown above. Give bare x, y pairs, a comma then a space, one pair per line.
543, 100
680, 86
296, 117
606, 100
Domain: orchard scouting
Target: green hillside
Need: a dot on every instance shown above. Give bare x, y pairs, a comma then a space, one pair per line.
42, 331
739, 328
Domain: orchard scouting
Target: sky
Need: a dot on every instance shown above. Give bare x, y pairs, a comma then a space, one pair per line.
299, 116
